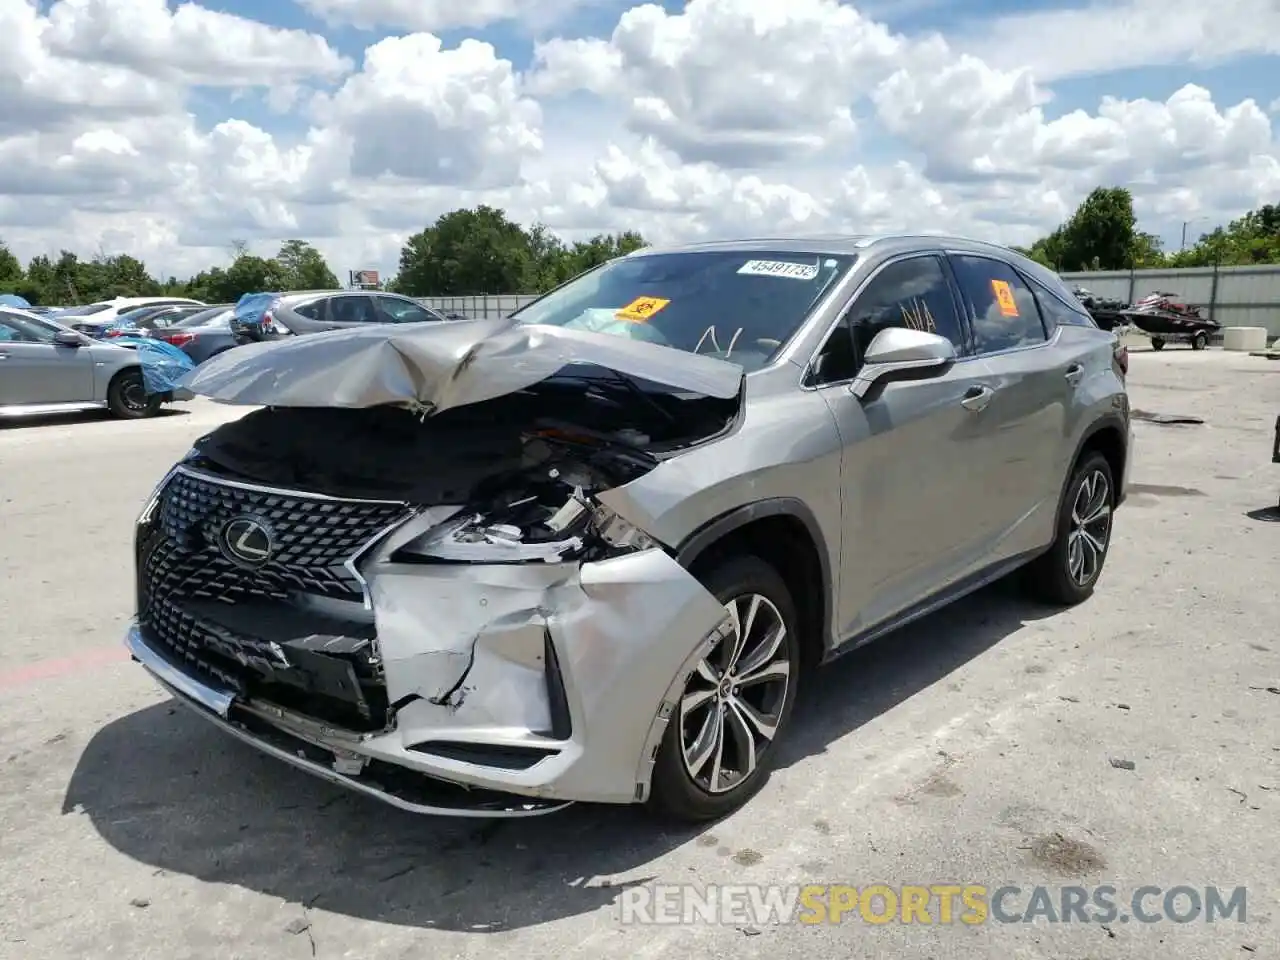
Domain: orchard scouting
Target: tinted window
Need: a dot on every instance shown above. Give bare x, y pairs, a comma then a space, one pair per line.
312, 311
1056, 313
734, 304
16, 329
83, 311
394, 310
203, 317
1004, 311
910, 293
352, 310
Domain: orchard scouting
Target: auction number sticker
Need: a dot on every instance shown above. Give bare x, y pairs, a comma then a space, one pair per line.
779, 268
641, 309
1004, 297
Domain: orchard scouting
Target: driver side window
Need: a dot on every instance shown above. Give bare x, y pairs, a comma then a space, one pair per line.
911, 293
21, 330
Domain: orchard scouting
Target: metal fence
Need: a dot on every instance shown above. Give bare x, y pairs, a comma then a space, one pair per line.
1234, 296
491, 307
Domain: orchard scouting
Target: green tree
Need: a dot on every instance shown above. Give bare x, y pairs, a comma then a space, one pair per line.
303, 267
1101, 234
466, 252
11, 273
1253, 238
247, 274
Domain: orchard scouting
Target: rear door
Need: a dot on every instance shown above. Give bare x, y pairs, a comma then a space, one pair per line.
34, 369
1029, 383
911, 480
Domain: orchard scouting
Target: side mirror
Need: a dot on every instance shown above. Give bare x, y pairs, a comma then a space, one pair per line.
68, 338
899, 354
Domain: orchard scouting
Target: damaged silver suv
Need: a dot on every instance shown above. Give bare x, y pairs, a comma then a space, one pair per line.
590, 552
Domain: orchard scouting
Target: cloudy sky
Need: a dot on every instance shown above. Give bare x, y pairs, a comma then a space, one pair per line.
171, 130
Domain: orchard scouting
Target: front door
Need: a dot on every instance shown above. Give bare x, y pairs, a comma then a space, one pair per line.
35, 370
909, 477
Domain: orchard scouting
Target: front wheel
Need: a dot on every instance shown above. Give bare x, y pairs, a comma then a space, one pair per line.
127, 397
721, 739
1200, 341
1068, 572
1157, 343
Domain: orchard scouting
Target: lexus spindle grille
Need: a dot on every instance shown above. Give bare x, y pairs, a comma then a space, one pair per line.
184, 570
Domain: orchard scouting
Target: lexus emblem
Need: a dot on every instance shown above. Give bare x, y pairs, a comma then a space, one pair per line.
246, 541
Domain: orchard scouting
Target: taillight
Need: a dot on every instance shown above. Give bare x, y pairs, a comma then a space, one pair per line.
178, 339
1122, 358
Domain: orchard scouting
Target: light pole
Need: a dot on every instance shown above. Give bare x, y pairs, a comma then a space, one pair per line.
1185, 224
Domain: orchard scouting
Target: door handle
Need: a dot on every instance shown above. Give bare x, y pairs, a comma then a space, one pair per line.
977, 398
1074, 373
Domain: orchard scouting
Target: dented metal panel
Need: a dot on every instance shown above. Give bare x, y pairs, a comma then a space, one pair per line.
622, 628
439, 366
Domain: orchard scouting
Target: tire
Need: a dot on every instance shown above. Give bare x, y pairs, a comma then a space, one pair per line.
1157, 343
1200, 341
681, 791
1056, 576
127, 398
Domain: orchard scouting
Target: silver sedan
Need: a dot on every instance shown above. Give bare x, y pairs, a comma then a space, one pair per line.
46, 368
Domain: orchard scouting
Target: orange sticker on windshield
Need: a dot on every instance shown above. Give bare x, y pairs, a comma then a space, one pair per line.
1004, 297
641, 309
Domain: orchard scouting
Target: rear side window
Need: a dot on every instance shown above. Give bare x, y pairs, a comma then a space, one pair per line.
1056, 313
1004, 310
312, 311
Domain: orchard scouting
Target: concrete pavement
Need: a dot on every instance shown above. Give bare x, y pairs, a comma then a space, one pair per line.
973, 747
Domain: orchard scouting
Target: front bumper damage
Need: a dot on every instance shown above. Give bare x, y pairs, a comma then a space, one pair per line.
512, 689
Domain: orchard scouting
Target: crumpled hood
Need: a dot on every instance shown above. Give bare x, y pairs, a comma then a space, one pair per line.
438, 366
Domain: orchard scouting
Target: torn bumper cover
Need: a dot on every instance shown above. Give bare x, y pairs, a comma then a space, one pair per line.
484, 689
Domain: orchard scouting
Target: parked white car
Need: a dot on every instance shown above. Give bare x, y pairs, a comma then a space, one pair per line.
93, 317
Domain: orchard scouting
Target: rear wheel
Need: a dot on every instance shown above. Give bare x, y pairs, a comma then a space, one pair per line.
127, 397
1157, 343
1069, 571
720, 741
1200, 341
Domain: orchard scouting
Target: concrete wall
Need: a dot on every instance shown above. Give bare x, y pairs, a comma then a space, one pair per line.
1234, 296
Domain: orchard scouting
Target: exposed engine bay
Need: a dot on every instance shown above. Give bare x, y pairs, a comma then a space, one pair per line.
521, 468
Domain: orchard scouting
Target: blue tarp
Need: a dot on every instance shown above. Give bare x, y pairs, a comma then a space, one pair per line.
163, 364
13, 300
251, 309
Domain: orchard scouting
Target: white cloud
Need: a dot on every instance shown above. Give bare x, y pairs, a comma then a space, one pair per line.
433, 16
190, 44
729, 117
1105, 37
421, 113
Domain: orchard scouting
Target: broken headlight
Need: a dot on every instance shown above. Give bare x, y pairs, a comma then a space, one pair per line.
572, 531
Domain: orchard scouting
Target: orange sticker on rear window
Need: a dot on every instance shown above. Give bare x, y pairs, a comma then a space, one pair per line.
641, 309
1004, 297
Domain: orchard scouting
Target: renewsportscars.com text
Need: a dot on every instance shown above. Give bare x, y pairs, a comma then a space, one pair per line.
942, 904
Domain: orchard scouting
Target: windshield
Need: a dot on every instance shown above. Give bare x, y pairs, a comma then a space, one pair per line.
204, 316
83, 311
738, 306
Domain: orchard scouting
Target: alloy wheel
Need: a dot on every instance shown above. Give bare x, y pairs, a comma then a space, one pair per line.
134, 395
1090, 531
730, 711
